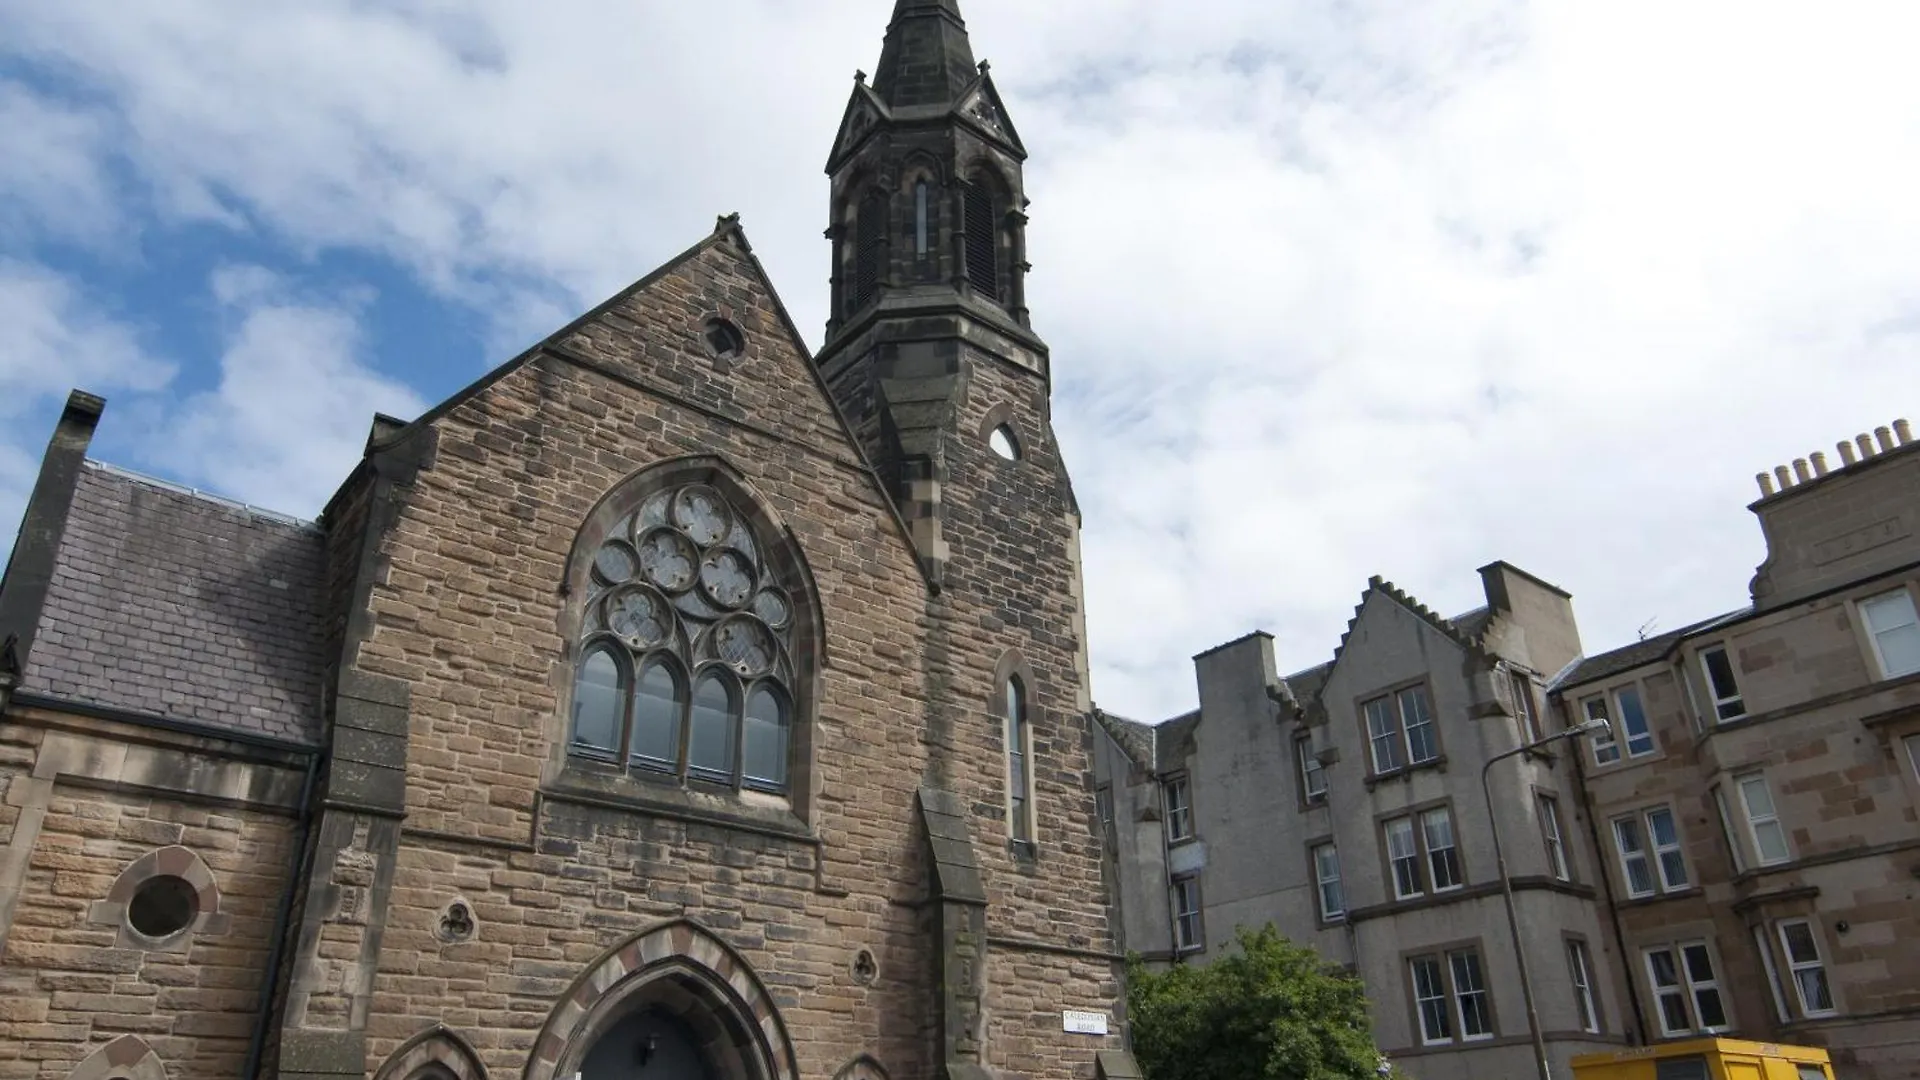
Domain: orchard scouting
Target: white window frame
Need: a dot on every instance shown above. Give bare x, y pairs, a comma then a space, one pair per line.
1604, 743
1180, 810
1687, 988
1726, 830
1696, 986
1413, 855
1480, 991
1765, 821
1874, 634
1186, 920
1730, 707
1773, 975
1447, 855
1526, 706
1639, 853
1313, 775
1428, 722
1336, 910
1675, 848
1390, 737
1796, 967
1397, 734
1639, 706
1438, 966
1580, 970
1550, 833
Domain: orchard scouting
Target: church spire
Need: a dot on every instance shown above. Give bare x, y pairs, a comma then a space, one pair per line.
927, 59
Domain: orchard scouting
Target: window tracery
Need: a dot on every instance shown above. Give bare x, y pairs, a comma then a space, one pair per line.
686, 647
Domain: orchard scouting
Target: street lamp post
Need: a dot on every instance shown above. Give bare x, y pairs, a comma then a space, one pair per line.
1506, 884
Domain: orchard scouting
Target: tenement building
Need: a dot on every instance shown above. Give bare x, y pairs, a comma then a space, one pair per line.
1757, 795
1734, 848
670, 702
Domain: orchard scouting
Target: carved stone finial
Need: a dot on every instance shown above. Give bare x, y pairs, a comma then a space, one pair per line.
859, 77
984, 67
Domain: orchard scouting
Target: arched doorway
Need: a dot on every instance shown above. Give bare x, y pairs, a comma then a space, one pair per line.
675, 994
651, 1043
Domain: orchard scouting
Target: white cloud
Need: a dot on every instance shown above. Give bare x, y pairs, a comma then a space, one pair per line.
54, 177
57, 339
1333, 288
284, 423
290, 415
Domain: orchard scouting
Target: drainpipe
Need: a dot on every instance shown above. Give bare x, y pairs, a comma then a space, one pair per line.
264, 1013
1636, 1030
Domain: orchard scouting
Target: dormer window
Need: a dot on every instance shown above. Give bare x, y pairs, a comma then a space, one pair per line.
685, 667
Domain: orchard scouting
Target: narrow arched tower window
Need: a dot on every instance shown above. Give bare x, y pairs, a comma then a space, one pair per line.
870, 231
1019, 762
920, 218
686, 664
983, 246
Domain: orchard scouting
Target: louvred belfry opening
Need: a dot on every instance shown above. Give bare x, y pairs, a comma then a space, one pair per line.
870, 233
983, 266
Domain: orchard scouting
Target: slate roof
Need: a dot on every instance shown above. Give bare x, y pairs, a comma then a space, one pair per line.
1306, 685
1632, 656
1474, 623
1134, 737
170, 602
1159, 747
1173, 742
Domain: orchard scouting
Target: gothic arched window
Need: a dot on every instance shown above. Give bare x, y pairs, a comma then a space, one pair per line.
686, 647
1019, 762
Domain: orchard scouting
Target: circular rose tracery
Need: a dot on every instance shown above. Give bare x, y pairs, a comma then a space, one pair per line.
680, 595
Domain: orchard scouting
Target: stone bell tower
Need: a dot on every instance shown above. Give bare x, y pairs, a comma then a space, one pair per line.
928, 227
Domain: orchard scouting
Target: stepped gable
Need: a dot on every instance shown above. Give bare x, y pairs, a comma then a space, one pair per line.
1467, 636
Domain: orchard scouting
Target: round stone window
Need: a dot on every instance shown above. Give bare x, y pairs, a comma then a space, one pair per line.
725, 339
163, 906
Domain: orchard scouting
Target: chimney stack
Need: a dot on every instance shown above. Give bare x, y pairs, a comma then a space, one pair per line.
1861, 449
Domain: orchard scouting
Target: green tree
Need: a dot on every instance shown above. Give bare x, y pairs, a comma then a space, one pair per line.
1270, 1010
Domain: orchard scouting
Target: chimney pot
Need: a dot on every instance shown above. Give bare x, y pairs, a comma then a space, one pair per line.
1800, 473
1903, 432
1781, 474
1819, 463
1766, 485
1885, 438
1865, 444
1847, 456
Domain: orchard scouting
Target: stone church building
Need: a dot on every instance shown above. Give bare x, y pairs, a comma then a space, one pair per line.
669, 703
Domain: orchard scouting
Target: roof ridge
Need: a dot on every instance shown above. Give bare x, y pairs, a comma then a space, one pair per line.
201, 494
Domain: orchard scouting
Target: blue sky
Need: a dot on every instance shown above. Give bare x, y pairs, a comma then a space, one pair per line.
1334, 288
